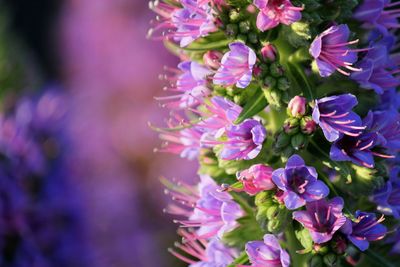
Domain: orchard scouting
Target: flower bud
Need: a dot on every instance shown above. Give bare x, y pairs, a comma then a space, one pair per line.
269, 52
298, 141
244, 26
282, 140
256, 179
274, 97
316, 261
212, 59
308, 125
270, 82
291, 126
297, 106
330, 260
276, 70
253, 37
283, 84
231, 30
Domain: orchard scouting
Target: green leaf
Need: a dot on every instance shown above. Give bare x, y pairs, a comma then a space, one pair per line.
303, 235
255, 105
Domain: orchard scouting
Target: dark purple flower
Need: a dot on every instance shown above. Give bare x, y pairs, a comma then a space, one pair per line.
274, 12
377, 70
299, 183
322, 218
189, 86
244, 141
332, 53
185, 24
236, 66
267, 253
386, 124
334, 116
364, 229
388, 197
211, 253
379, 14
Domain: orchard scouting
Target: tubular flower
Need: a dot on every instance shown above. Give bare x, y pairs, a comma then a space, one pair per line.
364, 229
222, 114
236, 66
190, 86
256, 179
322, 218
378, 71
214, 211
299, 183
388, 197
274, 12
332, 53
267, 253
244, 141
183, 25
379, 14
334, 116
202, 253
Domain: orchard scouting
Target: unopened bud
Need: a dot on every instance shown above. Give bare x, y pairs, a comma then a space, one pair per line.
269, 52
299, 141
316, 261
212, 59
231, 30
291, 126
330, 260
270, 82
308, 125
274, 97
282, 140
276, 70
297, 106
283, 84
244, 26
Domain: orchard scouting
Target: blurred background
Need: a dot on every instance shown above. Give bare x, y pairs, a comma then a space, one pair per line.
87, 62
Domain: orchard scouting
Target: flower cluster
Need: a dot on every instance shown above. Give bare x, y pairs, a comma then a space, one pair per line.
326, 171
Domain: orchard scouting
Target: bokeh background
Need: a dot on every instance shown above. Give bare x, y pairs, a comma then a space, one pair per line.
95, 51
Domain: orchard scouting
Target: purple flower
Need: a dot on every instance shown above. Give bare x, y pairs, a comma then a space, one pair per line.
223, 113
183, 24
331, 52
190, 84
211, 253
215, 212
236, 66
299, 183
267, 253
244, 141
364, 229
388, 197
386, 124
379, 14
377, 68
256, 179
334, 116
274, 12
322, 218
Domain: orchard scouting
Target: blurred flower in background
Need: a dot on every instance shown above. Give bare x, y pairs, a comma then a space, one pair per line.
94, 199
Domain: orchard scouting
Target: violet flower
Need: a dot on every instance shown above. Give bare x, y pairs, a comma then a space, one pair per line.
332, 53
214, 213
256, 179
365, 229
183, 24
211, 253
322, 218
334, 116
299, 183
267, 253
244, 141
274, 12
377, 68
236, 66
190, 86
378, 14
388, 197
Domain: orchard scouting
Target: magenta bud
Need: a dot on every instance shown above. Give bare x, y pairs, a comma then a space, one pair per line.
256, 179
257, 71
308, 125
297, 106
212, 59
269, 52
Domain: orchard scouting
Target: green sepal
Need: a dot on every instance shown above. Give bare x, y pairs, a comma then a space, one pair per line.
304, 237
255, 104
248, 230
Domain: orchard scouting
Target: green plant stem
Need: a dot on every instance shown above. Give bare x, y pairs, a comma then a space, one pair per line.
378, 259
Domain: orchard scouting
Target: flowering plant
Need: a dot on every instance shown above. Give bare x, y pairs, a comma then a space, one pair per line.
291, 109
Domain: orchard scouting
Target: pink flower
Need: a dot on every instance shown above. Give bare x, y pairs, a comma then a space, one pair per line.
297, 106
274, 12
256, 179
